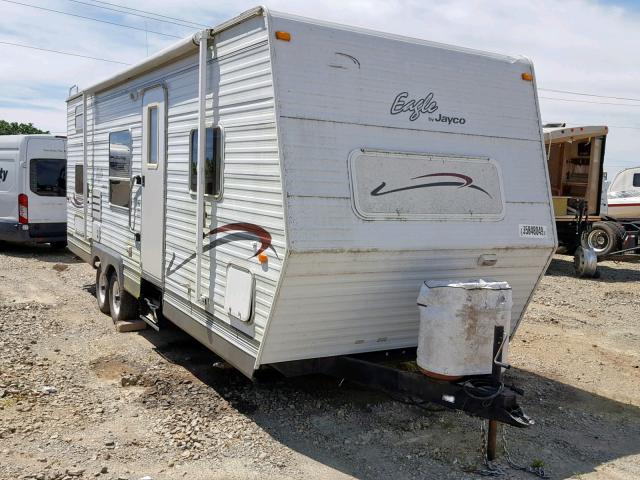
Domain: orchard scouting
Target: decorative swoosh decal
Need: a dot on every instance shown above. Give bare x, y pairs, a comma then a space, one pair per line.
467, 182
257, 230
76, 201
241, 231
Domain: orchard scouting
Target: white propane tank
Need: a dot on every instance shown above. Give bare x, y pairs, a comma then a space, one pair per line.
457, 321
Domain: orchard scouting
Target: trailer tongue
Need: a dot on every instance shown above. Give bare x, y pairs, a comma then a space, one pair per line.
461, 355
485, 396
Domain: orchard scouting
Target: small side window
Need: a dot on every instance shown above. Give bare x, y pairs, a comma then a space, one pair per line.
120, 151
79, 119
79, 179
152, 137
636, 179
213, 164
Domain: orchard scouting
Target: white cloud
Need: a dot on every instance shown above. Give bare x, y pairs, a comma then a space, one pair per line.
577, 45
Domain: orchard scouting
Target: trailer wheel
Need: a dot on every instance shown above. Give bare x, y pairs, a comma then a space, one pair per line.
604, 238
123, 306
585, 263
102, 291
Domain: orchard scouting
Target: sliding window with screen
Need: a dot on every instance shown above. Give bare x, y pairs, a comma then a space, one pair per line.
213, 162
152, 138
120, 152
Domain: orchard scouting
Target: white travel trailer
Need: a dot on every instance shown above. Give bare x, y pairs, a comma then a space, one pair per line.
624, 194
280, 188
33, 189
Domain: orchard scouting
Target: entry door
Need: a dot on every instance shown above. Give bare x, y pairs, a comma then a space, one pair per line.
153, 181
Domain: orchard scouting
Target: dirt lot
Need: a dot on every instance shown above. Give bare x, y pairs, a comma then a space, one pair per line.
78, 400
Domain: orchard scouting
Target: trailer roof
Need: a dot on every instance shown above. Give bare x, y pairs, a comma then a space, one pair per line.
164, 56
191, 43
563, 134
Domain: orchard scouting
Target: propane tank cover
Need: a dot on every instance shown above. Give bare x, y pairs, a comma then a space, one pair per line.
457, 321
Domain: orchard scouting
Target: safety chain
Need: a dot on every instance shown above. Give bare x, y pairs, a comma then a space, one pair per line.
537, 471
492, 470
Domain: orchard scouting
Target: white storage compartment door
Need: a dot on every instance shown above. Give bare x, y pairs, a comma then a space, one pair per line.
238, 298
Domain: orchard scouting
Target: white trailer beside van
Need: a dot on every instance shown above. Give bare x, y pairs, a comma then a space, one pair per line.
33, 199
624, 194
280, 188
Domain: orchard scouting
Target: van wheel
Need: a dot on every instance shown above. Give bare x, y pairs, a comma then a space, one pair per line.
102, 291
123, 305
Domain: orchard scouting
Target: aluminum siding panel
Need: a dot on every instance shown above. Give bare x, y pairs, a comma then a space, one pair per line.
336, 74
252, 189
75, 155
241, 101
350, 302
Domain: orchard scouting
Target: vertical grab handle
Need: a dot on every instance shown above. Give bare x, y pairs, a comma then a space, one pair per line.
135, 180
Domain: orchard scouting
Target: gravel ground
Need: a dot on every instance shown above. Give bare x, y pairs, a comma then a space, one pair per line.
79, 401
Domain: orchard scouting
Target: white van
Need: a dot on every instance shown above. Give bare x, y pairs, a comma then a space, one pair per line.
33, 204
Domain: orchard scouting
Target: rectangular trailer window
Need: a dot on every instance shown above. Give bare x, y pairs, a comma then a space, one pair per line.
79, 119
636, 179
120, 152
152, 137
213, 162
79, 179
48, 177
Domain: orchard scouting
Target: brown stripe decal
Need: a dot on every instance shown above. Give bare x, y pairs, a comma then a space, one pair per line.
241, 231
258, 231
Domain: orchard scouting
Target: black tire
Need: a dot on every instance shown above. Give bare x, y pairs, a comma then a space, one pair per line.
604, 238
102, 291
622, 232
122, 304
58, 245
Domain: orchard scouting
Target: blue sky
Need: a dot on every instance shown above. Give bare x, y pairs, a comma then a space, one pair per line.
629, 4
576, 45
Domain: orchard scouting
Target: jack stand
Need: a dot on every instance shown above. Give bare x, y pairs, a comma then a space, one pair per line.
496, 374
492, 440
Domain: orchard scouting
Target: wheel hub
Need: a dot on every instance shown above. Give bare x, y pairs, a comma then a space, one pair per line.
598, 240
102, 287
585, 262
116, 296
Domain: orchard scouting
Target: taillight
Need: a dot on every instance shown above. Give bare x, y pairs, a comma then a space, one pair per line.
23, 209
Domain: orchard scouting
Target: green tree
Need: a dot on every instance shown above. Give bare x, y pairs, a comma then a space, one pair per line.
15, 128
